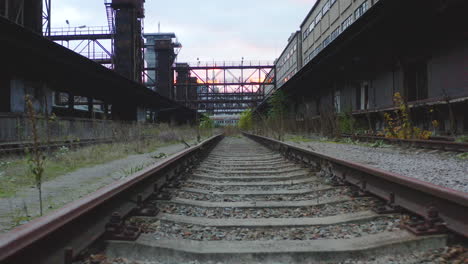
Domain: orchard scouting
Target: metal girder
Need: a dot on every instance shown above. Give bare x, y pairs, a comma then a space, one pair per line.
79, 37
221, 83
46, 17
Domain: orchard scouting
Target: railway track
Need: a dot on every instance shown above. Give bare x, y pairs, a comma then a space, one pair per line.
432, 144
9, 148
247, 202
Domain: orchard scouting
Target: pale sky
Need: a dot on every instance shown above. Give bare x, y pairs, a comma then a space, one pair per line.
208, 29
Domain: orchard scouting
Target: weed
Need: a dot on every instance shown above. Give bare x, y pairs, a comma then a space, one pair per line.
463, 156
159, 156
462, 139
347, 122
15, 173
378, 144
399, 124
133, 170
36, 158
206, 122
62, 151
246, 120
298, 139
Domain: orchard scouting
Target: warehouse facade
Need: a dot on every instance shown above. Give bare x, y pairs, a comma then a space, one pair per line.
356, 55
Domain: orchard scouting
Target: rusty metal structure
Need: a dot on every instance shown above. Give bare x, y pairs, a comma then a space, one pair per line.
66, 84
222, 87
161, 50
118, 46
27, 13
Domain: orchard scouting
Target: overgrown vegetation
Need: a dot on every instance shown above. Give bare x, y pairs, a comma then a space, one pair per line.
277, 113
399, 125
298, 139
15, 172
206, 122
347, 122
246, 120
35, 157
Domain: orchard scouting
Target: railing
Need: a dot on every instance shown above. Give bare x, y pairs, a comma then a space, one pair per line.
83, 30
230, 63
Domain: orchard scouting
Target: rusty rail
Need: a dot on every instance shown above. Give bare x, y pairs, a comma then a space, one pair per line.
424, 199
20, 147
425, 144
58, 237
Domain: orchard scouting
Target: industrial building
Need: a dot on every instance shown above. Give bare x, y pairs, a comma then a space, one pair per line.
356, 55
161, 51
64, 83
290, 60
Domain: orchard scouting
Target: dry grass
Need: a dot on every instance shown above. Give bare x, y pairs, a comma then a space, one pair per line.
14, 172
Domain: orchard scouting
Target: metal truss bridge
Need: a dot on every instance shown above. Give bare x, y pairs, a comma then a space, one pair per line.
223, 87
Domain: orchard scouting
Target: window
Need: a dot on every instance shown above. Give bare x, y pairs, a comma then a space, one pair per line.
347, 23
318, 18
332, 2
361, 9
326, 7
335, 33
337, 101
362, 96
326, 41
312, 26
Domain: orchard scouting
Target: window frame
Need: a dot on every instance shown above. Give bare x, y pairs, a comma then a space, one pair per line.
327, 6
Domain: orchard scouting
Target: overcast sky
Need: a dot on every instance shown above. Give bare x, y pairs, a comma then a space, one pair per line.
208, 29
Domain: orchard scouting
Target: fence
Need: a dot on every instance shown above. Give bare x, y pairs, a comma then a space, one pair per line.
17, 128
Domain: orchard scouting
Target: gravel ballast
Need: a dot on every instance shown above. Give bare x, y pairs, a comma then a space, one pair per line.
443, 169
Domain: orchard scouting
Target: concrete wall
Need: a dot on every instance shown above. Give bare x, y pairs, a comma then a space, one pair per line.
448, 72
4, 93
40, 94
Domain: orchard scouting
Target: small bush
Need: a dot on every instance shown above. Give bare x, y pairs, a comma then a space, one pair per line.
398, 123
206, 122
246, 120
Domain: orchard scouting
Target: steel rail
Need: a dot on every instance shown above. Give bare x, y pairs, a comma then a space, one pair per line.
424, 199
77, 225
425, 144
18, 147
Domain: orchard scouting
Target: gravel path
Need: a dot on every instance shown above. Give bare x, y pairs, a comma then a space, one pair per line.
443, 169
74, 185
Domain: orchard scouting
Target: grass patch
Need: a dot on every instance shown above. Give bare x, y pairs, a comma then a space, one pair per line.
299, 139
463, 156
14, 173
462, 139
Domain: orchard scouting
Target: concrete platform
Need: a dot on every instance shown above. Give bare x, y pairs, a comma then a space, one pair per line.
288, 251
